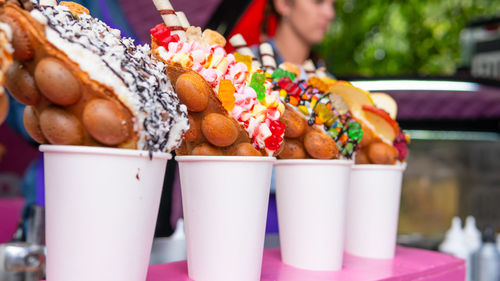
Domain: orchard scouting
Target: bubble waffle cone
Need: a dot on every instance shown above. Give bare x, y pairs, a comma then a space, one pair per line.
383, 140
212, 130
85, 85
230, 108
316, 127
303, 141
5, 61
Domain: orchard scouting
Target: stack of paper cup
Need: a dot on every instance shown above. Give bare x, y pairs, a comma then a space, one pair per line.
311, 200
373, 209
101, 209
225, 202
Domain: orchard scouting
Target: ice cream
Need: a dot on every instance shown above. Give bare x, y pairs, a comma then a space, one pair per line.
84, 84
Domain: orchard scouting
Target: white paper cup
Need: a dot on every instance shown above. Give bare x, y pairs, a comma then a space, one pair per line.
101, 209
373, 210
225, 209
311, 196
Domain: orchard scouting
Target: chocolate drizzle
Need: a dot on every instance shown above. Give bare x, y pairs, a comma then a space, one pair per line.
176, 28
167, 12
148, 94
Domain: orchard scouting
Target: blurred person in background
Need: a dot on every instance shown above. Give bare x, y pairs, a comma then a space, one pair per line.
301, 25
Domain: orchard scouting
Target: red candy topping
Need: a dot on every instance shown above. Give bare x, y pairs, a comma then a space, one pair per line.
273, 142
277, 129
291, 88
162, 34
401, 145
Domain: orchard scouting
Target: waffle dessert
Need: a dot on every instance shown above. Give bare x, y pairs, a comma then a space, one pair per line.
383, 140
85, 85
315, 125
5, 61
230, 107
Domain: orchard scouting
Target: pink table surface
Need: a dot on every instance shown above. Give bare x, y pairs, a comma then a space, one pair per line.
409, 264
10, 214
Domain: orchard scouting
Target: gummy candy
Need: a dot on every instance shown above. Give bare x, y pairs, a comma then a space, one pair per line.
355, 134
401, 145
333, 133
260, 90
343, 138
160, 32
323, 112
354, 130
247, 60
354, 125
283, 93
286, 84
294, 101
283, 82
303, 109
280, 73
169, 39
273, 142
258, 78
257, 83
226, 94
318, 84
349, 147
277, 128
330, 121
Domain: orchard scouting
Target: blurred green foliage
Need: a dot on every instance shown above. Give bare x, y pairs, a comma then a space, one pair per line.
377, 37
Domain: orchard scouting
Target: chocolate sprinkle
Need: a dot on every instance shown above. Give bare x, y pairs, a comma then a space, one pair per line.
149, 94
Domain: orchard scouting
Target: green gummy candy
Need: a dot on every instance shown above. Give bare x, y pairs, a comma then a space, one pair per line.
333, 133
356, 133
258, 78
354, 125
348, 148
280, 73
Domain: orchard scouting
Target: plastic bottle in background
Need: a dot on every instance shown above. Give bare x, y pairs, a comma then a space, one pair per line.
455, 244
454, 241
169, 249
486, 261
472, 234
498, 242
472, 241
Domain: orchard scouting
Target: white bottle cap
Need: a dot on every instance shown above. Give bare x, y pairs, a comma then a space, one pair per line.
179, 233
454, 242
472, 234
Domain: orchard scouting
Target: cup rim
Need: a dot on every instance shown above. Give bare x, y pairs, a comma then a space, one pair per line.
400, 166
111, 151
337, 162
205, 158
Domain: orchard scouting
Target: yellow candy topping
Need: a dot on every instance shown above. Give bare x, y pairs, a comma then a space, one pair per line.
226, 94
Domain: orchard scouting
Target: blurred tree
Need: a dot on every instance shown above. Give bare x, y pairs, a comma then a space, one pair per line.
379, 37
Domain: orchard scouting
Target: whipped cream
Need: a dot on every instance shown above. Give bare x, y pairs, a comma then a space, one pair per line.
137, 79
